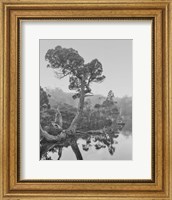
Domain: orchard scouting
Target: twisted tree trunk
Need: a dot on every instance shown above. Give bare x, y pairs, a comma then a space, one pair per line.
51, 138
76, 120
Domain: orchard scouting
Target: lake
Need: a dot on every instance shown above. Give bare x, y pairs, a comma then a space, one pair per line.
120, 149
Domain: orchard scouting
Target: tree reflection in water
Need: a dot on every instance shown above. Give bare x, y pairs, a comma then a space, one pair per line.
98, 141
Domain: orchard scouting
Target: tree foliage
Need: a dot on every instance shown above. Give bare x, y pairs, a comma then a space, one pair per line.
68, 62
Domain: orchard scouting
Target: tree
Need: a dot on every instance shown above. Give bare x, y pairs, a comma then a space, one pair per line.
110, 96
109, 99
51, 120
44, 101
68, 62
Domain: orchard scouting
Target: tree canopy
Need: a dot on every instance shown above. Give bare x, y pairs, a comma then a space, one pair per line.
68, 62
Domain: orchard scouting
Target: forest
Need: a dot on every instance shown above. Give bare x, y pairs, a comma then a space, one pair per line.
68, 106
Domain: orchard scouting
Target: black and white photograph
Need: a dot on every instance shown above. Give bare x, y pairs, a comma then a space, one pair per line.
85, 99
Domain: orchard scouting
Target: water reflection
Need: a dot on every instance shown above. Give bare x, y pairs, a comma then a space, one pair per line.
111, 146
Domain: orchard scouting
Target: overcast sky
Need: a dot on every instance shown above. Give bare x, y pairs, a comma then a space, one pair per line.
115, 56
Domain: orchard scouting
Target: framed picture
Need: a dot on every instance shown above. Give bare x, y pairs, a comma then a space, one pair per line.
85, 100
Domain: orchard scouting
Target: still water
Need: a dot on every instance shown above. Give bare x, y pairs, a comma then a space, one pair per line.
122, 150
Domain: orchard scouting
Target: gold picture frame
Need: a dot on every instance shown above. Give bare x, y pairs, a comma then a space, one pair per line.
159, 187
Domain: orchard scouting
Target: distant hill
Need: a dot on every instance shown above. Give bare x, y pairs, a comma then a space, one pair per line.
59, 96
